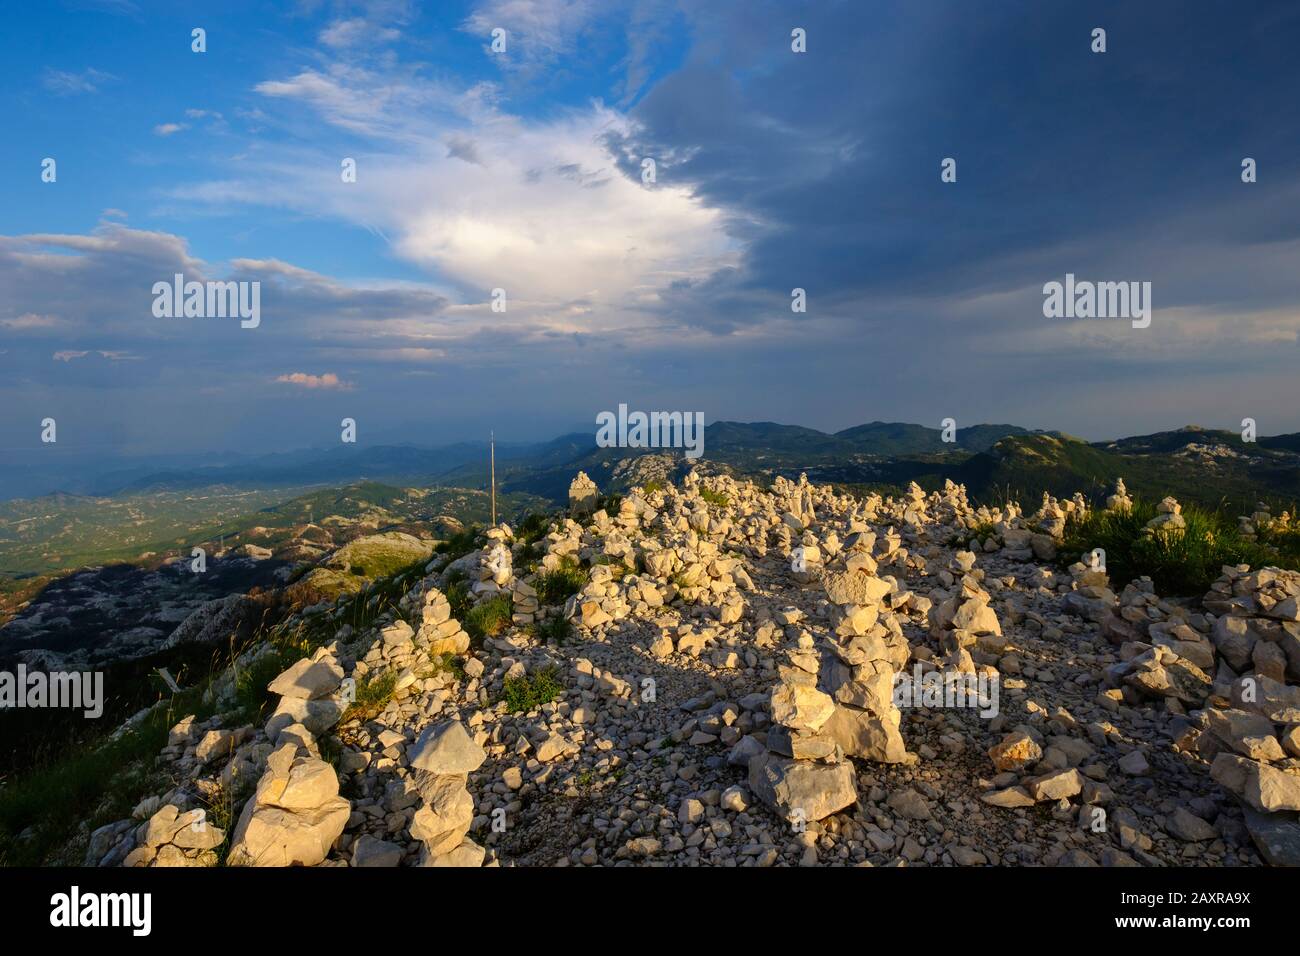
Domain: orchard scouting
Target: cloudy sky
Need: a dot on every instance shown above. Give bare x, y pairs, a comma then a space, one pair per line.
522, 170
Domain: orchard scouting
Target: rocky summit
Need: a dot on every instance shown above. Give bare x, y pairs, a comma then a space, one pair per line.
720, 674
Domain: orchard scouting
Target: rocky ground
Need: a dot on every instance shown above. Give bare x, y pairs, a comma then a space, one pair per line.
755, 677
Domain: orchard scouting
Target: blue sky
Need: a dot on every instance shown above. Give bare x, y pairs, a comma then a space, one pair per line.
522, 171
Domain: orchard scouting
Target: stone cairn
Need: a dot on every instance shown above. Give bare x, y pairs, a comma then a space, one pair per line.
1230, 676
960, 619
442, 759
802, 774
861, 660
439, 631
583, 495
296, 814
494, 573
1119, 501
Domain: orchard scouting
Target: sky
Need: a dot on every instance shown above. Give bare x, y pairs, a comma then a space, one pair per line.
523, 170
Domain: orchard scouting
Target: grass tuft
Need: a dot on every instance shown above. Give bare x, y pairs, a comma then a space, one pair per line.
716, 498
523, 694
489, 618
556, 587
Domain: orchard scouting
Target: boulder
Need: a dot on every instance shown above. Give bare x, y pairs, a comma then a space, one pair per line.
446, 748
801, 790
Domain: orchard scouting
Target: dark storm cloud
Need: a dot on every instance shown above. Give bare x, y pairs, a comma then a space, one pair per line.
831, 159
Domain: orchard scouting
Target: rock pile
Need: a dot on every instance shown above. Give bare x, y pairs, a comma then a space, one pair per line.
583, 495
1119, 501
171, 838
439, 632
1169, 519
296, 814
802, 774
1091, 597
1252, 733
960, 619
443, 758
494, 573
861, 661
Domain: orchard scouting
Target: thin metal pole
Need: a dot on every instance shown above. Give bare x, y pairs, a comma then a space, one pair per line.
492, 445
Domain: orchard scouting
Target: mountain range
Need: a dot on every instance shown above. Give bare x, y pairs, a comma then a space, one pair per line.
1205, 465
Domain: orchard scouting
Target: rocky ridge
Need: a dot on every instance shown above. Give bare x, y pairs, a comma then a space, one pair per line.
727, 694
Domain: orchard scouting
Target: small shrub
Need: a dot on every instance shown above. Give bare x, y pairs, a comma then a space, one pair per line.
523, 694
446, 663
527, 558
651, 486
533, 528
1286, 542
616, 566
1180, 564
251, 695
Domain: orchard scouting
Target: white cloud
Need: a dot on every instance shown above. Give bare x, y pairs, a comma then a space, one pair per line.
167, 129
357, 31
32, 322
306, 380
63, 83
538, 31
485, 199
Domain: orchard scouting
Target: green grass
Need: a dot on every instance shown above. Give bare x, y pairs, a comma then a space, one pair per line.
533, 528
716, 498
1285, 540
459, 544
221, 810
523, 694
553, 630
616, 566
373, 694
252, 699
457, 594
609, 504
1179, 564
556, 587
446, 663
93, 787
70, 792
651, 486
489, 618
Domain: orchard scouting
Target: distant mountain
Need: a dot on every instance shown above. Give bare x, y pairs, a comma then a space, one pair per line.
1206, 467
900, 438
